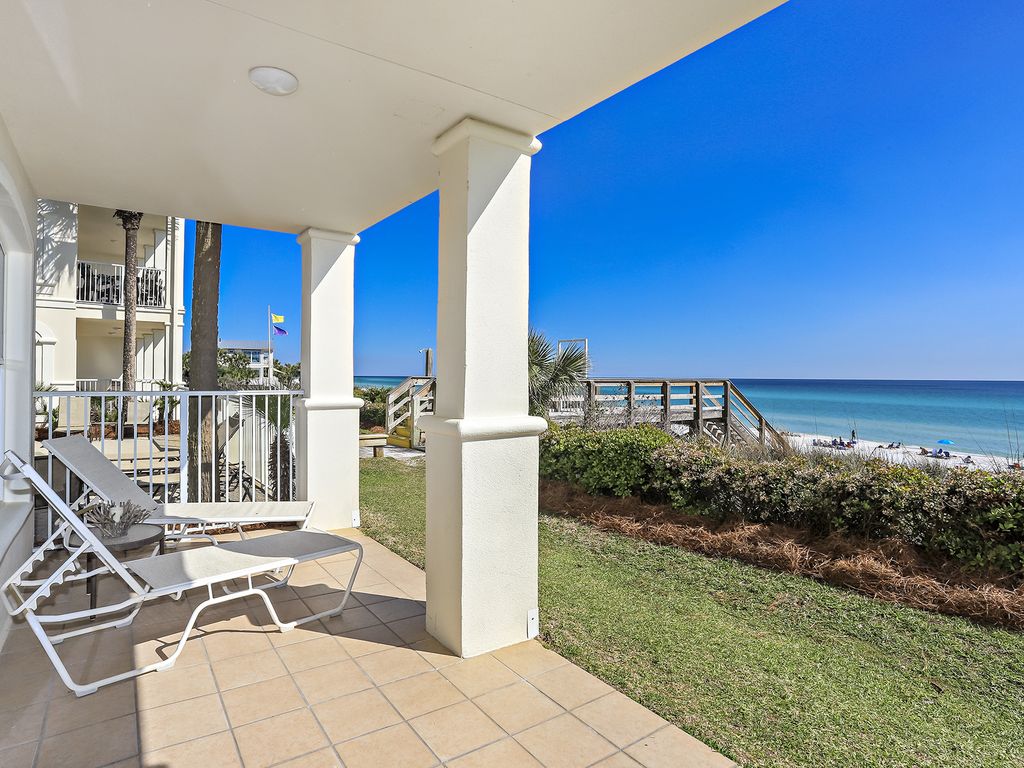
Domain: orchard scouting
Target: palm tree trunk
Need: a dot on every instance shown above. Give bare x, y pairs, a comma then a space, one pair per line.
203, 363
130, 221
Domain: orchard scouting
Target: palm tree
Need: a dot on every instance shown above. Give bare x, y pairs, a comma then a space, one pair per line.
130, 221
553, 374
203, 355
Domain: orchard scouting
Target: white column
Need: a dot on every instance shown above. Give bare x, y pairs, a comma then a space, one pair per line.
327, 418
481, 443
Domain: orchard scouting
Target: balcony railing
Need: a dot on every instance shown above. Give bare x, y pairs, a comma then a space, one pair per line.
226, 446
102, 283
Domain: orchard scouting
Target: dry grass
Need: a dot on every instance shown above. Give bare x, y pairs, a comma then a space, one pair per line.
884, 570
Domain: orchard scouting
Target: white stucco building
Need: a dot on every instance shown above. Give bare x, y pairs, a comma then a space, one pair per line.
79, 308
390, 102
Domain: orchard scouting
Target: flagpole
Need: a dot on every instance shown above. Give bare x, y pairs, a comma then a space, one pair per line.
270, 345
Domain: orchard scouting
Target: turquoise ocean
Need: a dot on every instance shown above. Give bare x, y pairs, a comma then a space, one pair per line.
980, 417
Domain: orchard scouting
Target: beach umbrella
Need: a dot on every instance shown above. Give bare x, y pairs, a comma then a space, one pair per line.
944, 441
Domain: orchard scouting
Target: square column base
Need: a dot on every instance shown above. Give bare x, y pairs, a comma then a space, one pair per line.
327, 453
481, 541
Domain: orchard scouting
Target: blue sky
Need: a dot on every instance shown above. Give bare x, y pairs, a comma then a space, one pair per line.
835, 190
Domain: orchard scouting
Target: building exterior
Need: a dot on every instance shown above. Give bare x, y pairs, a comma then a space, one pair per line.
79, 306
387, 104
259, 353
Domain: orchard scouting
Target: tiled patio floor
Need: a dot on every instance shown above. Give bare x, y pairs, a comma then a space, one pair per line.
373, 689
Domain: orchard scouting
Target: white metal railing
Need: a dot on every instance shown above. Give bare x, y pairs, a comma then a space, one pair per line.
115, 385
101, 283
244, 453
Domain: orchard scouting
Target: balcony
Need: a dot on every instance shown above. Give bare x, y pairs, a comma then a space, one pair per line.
101, 283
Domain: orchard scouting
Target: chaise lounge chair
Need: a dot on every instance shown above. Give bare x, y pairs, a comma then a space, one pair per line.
182, 520
151, 578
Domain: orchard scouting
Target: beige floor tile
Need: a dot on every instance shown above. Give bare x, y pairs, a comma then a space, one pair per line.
619, 719
673, 748
348, 717
529, 658
354, 616
618, 760
21, 756
396, 609
570, 686
92, 746
314, 653
175, 684
331, 681
394, 747
228, 643
457, 729
565, 742
328, 601
420, 694
216, 750
434, 653
507, 753
359, 642
310, 631
279, 738
376, 593
67, 713
244, 670
323, 758
21, 725
261, 700
476, 676
393, 664
518, 706
182, 721
24, 686
412, 629
158, 641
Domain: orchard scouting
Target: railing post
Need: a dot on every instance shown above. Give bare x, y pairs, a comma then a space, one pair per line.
698, 408
591, 408
726, 408
183, 449
666, 402
630, 394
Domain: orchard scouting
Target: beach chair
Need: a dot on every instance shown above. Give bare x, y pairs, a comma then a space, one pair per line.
151, 578
183, 521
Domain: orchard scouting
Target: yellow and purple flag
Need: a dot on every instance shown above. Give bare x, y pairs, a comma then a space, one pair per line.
276, 318
279, 331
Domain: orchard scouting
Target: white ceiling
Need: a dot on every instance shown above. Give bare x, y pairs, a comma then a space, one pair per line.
147, 105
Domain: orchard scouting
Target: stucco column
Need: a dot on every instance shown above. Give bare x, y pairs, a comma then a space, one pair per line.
327, 417
481, 443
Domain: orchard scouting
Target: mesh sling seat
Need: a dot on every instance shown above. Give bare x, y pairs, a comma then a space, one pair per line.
182, 520
147, 579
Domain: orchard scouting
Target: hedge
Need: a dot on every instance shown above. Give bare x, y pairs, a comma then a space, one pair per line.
971, 516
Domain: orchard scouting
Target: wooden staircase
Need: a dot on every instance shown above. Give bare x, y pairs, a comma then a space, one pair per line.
411, 399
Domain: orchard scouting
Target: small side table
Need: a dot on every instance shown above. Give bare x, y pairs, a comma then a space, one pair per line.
139, 535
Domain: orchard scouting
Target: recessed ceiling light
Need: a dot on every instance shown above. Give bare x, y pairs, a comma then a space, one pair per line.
273, 80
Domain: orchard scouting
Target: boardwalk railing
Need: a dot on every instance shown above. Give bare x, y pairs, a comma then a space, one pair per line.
227, 446
411, 399
713, 408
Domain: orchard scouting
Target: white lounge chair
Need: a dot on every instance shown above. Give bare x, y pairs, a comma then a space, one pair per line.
150, 578
182, 520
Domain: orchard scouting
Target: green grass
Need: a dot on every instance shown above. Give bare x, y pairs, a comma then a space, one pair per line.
771, 669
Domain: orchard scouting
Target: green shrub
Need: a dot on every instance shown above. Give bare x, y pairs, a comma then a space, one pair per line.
973, 517
615, 461
372, 415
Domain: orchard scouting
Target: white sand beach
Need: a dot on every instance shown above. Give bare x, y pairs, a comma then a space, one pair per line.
907, 454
